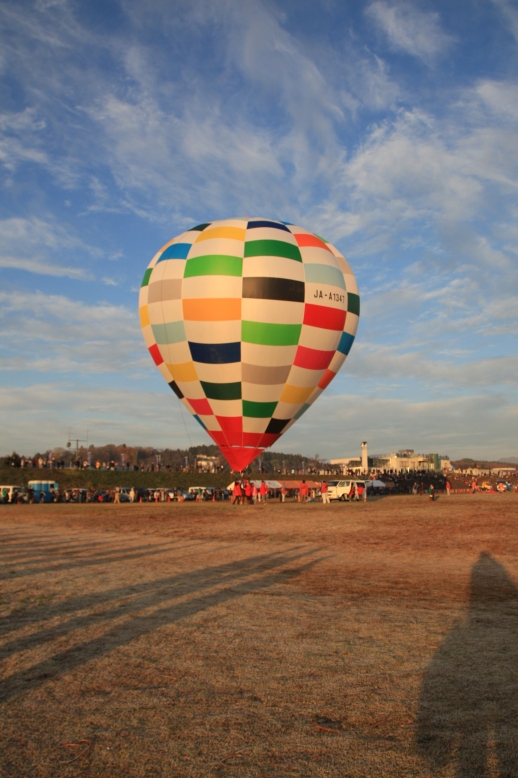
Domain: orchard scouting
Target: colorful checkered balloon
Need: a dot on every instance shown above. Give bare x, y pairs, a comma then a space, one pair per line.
248, 320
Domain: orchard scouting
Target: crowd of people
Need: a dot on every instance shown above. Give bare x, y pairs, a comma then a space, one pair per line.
246, 491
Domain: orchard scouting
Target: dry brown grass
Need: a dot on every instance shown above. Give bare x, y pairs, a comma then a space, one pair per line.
211, 640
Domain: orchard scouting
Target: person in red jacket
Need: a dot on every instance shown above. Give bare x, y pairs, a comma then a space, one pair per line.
303, 492
263, 491
236, 493
324, 493
248, 493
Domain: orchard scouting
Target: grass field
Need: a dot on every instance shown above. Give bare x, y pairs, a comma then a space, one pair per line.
359, 640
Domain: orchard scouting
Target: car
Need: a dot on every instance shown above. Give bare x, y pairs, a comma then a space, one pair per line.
343, 490
10, 489
200, 489
142, 495
176, 494
101, 496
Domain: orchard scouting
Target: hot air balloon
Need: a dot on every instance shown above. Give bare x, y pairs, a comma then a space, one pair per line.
248, 320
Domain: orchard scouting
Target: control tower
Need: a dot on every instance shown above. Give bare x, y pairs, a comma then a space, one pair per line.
365, 457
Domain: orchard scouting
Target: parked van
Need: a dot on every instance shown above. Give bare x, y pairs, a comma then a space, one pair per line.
10, 489
43, 489
343, 490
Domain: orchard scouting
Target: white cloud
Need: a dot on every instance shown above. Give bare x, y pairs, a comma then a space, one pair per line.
38, 417
477, 426
510, 13
416, 182
390, 364
56, 334
41, 266
500, 97
410, 30
34, 245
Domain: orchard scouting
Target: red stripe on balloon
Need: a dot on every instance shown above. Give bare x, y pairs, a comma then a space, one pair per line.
234, 439
268, 439
157, 356
324, 317
239, 457
201, 407
326, 379
231, 424
312, 359
252, 438
311, 240
218, 437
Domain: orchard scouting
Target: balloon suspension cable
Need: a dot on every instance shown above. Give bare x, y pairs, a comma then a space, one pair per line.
184, 424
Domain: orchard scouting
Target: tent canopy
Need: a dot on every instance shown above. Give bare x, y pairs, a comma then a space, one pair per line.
269, 484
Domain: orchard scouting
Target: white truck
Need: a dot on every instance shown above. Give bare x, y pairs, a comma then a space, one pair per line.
343, 490
6, 492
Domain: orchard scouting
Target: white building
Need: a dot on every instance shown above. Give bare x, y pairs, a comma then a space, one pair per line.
205, 464
397, 462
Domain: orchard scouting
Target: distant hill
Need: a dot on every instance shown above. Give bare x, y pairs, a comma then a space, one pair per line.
466, 463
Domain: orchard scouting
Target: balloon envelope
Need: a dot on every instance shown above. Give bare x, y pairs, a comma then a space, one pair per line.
248, 320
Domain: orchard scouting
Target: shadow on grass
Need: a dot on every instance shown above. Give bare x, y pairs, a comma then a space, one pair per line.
468, 714
78, 558
167, 599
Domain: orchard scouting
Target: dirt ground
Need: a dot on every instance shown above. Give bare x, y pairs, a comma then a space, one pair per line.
360, 640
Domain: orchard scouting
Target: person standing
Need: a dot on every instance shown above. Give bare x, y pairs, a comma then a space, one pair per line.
254, 493
263, 491
448, 487
283, 493
324, 493
303, 492
236, 493
248, 493
431, 492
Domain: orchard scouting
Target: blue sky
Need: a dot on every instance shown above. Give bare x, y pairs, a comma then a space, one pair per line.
390, 128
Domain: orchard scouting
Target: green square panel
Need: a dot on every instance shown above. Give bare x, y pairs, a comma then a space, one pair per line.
229, 391
258, 410
147, 276
353, 303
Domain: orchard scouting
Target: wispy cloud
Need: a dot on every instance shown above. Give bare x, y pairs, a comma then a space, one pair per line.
41, 266
38, 417
33, 245
480, 425
510, 13
391, 364
57, 334
408, 29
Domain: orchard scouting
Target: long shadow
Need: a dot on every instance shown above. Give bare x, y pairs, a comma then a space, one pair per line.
157, 589
79, 551
136, 597
235, 578
30, 544
101, 558
468, 714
